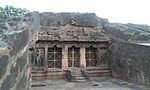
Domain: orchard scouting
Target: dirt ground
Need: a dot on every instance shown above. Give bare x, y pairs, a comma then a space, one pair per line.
97, 83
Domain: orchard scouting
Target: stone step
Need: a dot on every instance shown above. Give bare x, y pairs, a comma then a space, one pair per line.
96, 68
98, 71
101, 71
46, 77
80, 81
101, 65
76, 75
42, 71
100, 75
48, 74
76, 71
79, 78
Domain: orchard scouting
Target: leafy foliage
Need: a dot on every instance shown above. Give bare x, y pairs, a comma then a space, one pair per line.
9, 11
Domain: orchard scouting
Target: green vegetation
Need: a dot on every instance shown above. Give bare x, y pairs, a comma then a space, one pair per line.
9, 11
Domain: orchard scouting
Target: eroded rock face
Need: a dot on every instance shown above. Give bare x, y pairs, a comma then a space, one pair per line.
3, 65
62, 19
78, 27
130, 62
122, 32
128, 32
14, 56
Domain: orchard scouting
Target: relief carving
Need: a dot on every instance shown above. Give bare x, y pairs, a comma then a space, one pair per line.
38, 57
69, 33
56, 37
75, 38
93, 38
72, 33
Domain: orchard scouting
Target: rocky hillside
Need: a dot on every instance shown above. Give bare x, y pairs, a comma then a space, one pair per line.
128, 32
116, 31
124, 32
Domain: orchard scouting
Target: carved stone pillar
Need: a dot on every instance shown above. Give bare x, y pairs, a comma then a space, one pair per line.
46, 52
82, 57
64, 56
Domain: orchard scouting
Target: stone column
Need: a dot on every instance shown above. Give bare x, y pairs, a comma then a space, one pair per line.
64, 56
46, 52
82, 57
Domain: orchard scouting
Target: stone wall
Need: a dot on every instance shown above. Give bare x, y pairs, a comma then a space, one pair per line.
130, 62
14, 58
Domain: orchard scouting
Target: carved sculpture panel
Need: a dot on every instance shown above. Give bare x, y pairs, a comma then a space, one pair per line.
73, 33
38, 57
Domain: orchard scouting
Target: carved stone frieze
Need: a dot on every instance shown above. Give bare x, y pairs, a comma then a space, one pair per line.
73, 33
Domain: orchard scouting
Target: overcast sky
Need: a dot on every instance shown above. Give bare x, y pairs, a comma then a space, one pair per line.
123, 11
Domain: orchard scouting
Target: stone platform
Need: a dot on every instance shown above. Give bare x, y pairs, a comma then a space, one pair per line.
96, 83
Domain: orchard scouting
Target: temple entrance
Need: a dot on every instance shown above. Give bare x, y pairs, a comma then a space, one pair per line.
54, 57
73, 57
90, 56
